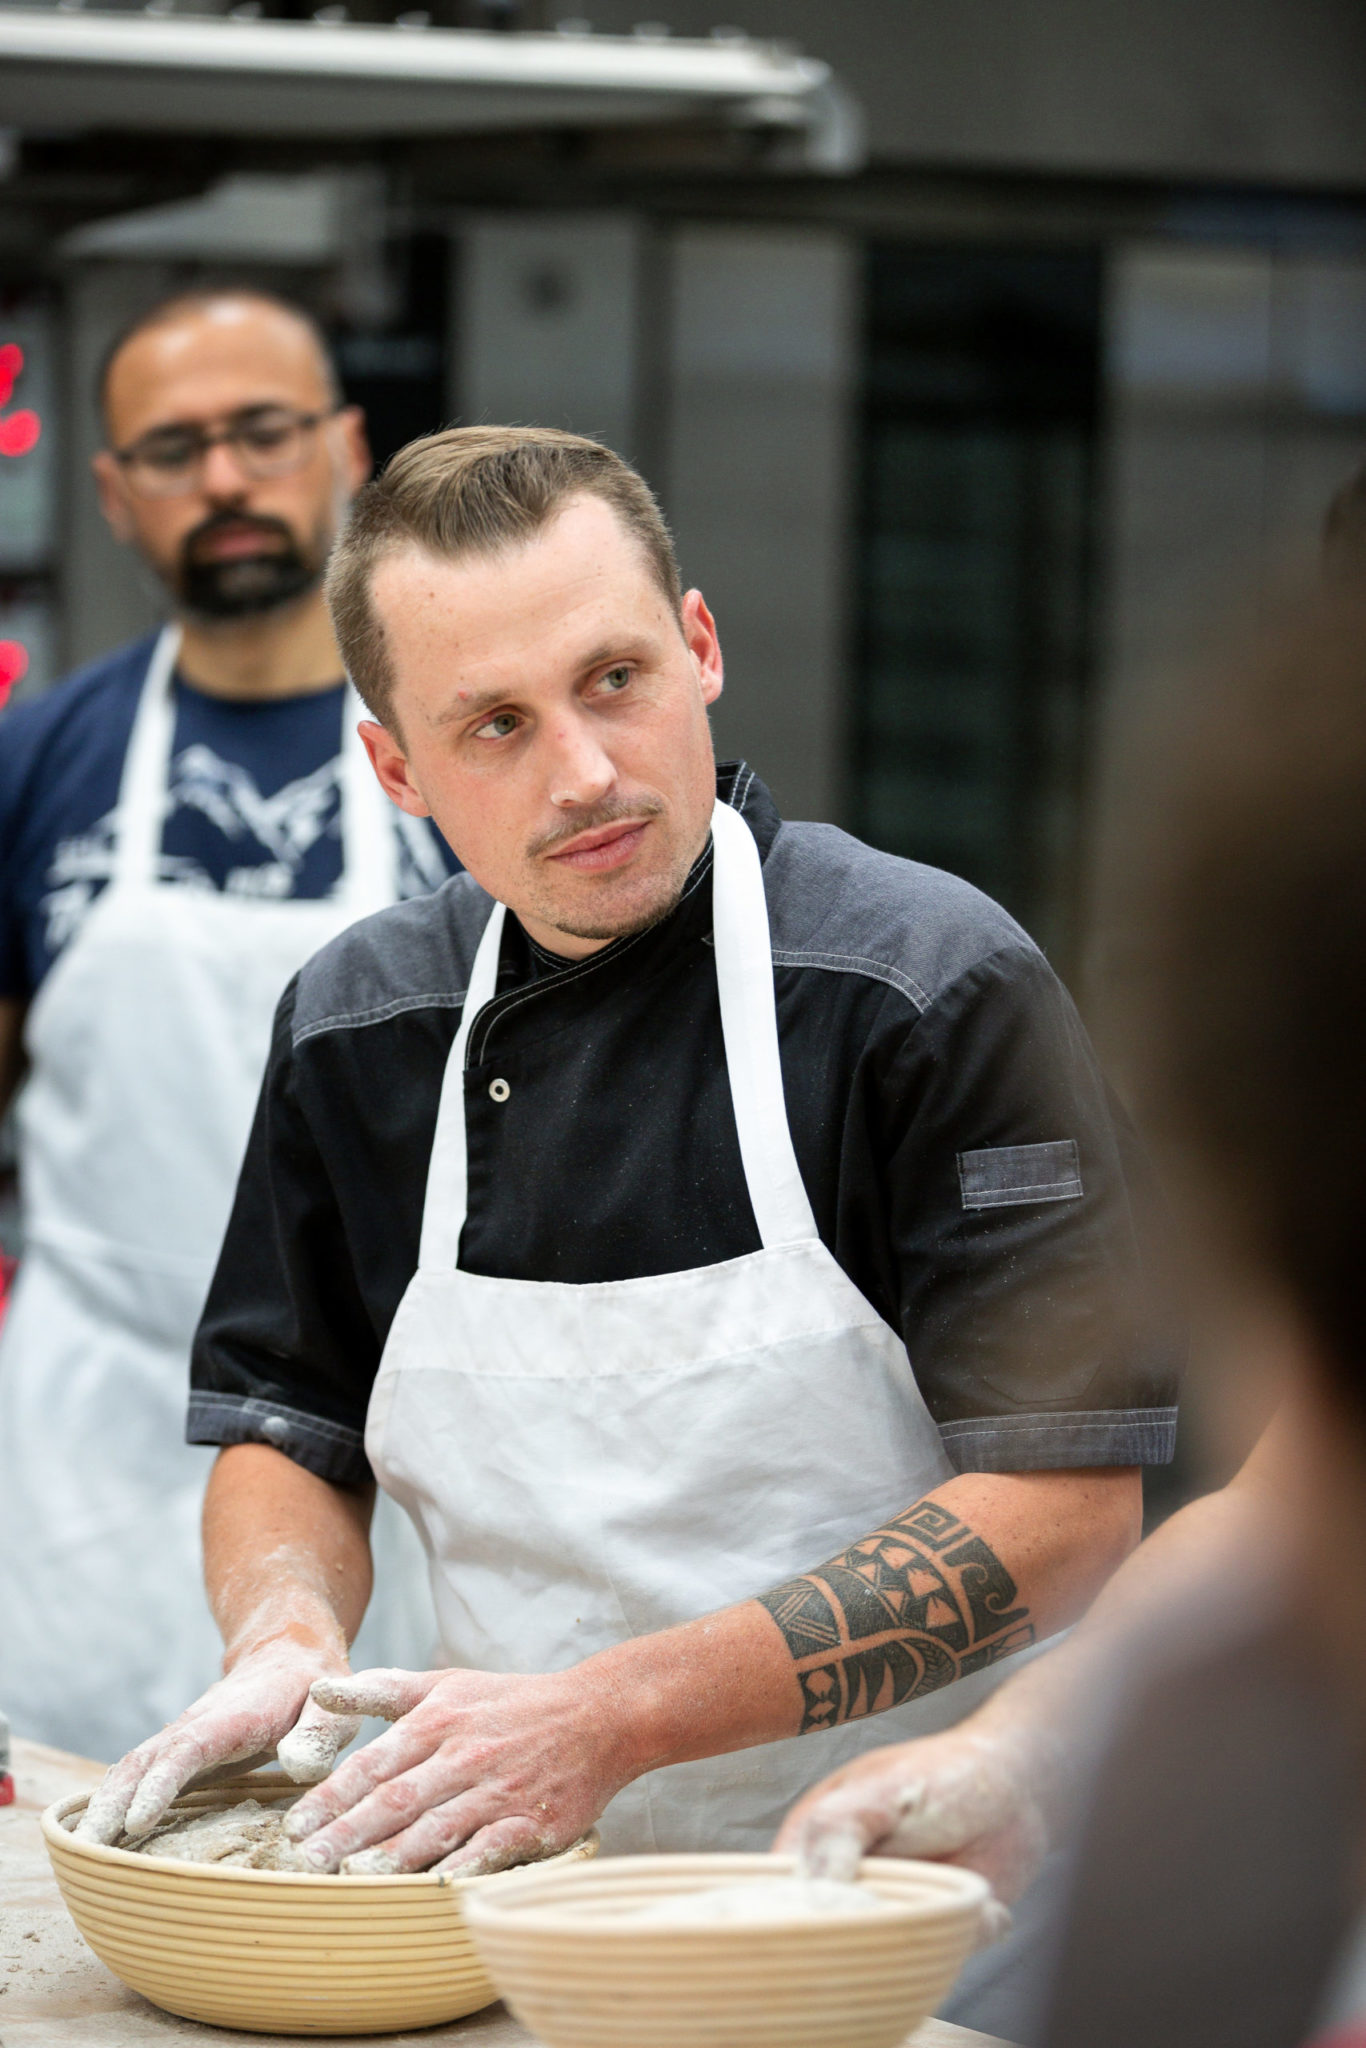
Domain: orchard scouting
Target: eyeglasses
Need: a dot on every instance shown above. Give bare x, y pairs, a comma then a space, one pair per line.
266, 441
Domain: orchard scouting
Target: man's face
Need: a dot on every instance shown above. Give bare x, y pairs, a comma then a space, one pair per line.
550, 712
230, 547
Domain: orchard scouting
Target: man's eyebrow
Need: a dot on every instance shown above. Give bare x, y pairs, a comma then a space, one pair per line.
239, 412
609, 652
470, 706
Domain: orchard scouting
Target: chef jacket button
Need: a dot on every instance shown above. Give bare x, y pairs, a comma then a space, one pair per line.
499, 1090
275, 1429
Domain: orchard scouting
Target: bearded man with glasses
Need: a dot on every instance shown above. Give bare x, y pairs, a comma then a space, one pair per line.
181, 825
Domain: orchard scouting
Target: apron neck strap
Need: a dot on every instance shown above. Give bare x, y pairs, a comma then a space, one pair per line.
141, 808
369, 877
749, 1023
447, 1199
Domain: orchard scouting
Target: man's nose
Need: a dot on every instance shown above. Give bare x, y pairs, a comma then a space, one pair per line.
221, 475
580, 771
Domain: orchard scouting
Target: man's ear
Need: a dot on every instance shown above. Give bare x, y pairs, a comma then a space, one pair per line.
109, 489
356, 458
390, 764
699, 630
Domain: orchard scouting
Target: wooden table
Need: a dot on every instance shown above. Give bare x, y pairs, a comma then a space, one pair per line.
54, 1993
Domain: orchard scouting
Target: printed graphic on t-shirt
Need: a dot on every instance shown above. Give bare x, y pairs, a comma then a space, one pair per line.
274, 834
255, 806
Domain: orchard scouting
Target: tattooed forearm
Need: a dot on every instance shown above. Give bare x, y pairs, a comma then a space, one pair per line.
910, 1608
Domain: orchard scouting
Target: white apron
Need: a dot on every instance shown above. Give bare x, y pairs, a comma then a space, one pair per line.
147, 1043
591, 1463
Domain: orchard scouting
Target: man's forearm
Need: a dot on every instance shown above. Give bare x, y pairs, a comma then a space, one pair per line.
1001, 1788
286, 1555
287, 1568
979, 1568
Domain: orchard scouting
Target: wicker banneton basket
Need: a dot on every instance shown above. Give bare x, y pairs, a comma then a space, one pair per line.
562, 1950
273, 1952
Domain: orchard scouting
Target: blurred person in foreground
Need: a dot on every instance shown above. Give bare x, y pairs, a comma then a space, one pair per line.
182, 824
1221, 1677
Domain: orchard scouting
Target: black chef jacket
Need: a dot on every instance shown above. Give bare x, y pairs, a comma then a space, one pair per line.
964, 1162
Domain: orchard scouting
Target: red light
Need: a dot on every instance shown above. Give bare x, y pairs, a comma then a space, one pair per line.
19, 431
13, 665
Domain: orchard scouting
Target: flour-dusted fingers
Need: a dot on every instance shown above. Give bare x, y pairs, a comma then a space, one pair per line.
180, 1758
387, 1695
383, 1816
387, 1758
500, 1846
460, 1837
311, 1748
832, 1850
479, 1747
439, 1830
247, 1713
107, 1810
969, 1795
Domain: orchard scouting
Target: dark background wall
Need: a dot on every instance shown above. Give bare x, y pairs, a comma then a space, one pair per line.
1209, 89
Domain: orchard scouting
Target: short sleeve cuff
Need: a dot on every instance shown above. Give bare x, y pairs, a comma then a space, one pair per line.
327, 1449
1052, 1442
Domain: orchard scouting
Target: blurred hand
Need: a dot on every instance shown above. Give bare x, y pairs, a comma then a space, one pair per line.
968, 1797
482, 1770
261, 1706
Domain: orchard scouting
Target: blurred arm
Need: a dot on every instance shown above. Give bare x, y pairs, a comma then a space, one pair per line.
13, 1010
997, 1791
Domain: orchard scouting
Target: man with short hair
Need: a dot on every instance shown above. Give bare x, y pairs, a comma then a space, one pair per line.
675, 1200
181, 825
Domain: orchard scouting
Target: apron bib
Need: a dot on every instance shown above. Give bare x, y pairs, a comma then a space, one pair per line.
591, 1463
147, 1043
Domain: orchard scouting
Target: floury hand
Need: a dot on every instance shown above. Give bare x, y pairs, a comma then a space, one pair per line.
287, 1564
261, 1708
966, 1796
482, 1770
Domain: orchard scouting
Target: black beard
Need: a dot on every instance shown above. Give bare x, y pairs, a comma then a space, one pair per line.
248, 585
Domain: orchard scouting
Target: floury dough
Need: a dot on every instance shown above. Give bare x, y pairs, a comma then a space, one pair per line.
249, 1836
765, 1901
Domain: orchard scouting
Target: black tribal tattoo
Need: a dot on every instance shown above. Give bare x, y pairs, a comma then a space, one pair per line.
910, 1608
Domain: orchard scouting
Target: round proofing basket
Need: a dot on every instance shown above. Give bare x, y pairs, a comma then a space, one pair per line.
275, 1952
562, 1950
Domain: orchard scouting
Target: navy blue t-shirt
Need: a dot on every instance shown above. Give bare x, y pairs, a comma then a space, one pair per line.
255, 804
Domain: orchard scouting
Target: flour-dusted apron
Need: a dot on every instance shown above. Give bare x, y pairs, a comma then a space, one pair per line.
591, 1463
147, 1043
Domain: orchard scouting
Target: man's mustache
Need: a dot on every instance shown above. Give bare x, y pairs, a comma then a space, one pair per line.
235, 522
611, 811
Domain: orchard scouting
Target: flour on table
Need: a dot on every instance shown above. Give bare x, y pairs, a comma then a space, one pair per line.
249, 1836
766, 1900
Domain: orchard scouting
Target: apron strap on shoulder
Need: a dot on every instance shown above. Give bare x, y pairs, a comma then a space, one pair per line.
447, 1198
749, 1021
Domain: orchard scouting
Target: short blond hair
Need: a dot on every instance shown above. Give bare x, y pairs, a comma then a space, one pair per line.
477, 491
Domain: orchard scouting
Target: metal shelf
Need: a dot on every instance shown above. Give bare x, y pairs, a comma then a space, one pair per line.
77, 68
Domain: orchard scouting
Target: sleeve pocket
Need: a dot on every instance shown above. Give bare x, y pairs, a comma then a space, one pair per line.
1003, 1175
